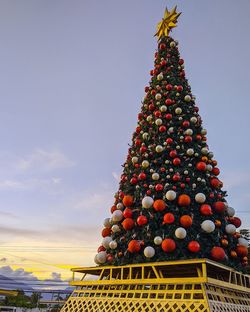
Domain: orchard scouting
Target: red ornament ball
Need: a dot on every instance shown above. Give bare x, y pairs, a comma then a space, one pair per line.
142, 176
242, 251
128, 224
176, 177
168, 102
194, 246
162, 46
186, 123
159, 205
186, 221
206, 210
179, 88
216, 171
173, 154
106, 232
218, 253
168, 245
101, 248
127, 213
176, 161
201, 166
159, 187
127, 200
168, 116
219, 206
188, 139
184, 200
162, 129
236, 221
216, 183
169, 140
134, 246
133, 180
168, 218
142, 220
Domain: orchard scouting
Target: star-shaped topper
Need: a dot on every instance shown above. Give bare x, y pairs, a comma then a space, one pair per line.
168, 22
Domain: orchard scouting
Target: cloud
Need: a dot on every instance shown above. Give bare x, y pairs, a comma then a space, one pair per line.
235, 178
116, 176
17, 274
36, 170
10, 231
7, 215
41, 160
55, 277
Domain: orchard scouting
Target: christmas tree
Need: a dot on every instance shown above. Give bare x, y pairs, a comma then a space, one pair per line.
170, 204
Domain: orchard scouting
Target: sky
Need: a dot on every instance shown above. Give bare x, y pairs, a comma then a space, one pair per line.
72, 79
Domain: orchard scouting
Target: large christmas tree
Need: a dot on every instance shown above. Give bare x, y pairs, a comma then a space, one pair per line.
170, 204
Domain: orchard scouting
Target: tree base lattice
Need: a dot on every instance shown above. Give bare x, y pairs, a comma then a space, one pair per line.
179, 286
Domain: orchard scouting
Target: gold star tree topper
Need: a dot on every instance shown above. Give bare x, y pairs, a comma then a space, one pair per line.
168, 22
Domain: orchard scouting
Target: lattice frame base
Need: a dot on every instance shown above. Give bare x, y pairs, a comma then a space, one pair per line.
180, 286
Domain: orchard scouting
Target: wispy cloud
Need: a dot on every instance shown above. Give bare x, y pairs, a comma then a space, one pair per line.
42, 160
36, 170
116, 176
235, 178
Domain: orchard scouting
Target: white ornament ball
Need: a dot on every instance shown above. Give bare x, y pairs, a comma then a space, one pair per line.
172, 44
155, 176
209, 167
190, 152
145, 164
171, 130
171, 195
160, 76
180, 233
117, 216
115, 228
187, 98
157, 240
119, 206
96, 259
106, 222
159, 149
230, 229
163, 108
200, 198
158, 122
204, 151
158, 96
208, 226
243, 242
203, 131
189, 132
149, 118
147, 202
113, 245
230, 211
105, 241
134, 160
178, 111
193, 120
210, 155
149, 252
101, 257
145, 136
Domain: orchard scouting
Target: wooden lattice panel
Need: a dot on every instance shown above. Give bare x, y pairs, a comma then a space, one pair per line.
217, 306
93, 305
184, 286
